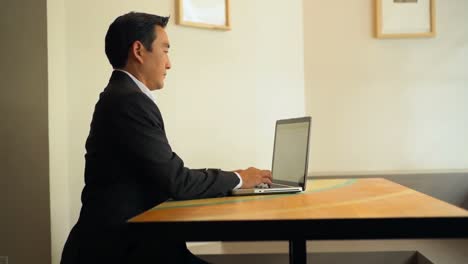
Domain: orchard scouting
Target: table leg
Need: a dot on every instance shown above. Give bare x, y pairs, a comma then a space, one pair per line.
297, 251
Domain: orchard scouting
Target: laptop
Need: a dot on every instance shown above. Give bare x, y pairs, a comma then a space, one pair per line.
290, 158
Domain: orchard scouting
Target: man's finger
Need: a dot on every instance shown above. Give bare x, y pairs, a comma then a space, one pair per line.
266, 173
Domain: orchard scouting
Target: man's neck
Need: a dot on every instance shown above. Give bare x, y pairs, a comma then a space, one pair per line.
133, 71
140, 84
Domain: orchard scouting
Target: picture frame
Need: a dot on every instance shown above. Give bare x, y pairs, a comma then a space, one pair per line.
208, 14
405, 19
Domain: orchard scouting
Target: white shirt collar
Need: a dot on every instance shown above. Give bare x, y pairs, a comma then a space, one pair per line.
140, 85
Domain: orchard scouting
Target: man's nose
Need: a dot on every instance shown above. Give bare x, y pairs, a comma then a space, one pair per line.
168, 64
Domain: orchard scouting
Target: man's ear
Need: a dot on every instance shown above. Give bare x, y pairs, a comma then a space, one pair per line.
136, 51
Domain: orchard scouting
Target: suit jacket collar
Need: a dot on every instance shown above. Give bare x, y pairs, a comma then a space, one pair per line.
121, 80
121, 83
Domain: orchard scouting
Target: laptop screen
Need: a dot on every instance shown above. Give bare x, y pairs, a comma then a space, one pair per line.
290, 154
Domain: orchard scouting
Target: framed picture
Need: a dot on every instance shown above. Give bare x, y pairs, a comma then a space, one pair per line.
405, 18
210, 14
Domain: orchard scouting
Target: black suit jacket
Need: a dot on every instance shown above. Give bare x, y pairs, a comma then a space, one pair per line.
130, 167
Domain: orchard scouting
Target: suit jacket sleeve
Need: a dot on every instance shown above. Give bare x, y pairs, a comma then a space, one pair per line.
140, 135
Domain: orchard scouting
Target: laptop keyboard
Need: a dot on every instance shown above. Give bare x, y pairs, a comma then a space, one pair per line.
266, 186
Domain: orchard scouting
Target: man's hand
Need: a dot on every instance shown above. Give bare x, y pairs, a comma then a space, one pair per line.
252, 177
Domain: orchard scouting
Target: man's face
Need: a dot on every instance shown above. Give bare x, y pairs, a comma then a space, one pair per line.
156, 62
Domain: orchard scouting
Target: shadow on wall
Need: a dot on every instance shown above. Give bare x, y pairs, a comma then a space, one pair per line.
400, 257
465, 203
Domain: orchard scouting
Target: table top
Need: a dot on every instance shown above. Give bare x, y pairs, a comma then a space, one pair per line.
382, 208
323, 199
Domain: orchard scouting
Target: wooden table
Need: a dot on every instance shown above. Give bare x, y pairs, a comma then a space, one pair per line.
328, 209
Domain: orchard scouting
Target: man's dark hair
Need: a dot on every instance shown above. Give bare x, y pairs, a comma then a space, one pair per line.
127, 29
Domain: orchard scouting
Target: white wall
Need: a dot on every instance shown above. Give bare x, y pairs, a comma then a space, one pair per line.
58, 127
385, 105
220, 100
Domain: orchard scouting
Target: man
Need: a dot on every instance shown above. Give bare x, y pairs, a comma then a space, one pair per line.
130, 166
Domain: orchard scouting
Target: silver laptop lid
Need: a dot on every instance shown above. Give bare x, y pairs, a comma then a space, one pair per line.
291, 151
